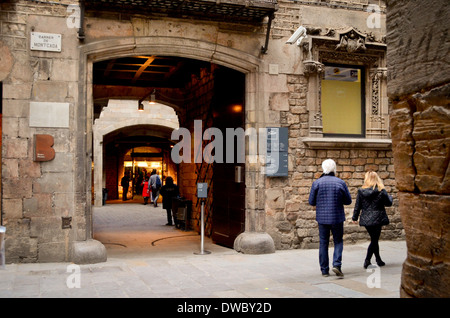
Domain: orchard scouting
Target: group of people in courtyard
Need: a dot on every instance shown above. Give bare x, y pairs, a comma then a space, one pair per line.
152, 188
329, 194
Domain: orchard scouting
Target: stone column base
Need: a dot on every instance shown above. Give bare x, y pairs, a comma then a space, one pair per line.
88, 252
254, 243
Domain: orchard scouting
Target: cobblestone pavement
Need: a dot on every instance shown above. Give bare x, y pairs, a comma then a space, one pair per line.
146, 258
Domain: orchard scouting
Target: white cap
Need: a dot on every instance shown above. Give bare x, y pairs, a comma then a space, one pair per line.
329, 166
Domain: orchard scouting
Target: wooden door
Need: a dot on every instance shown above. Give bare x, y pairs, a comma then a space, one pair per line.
228, 216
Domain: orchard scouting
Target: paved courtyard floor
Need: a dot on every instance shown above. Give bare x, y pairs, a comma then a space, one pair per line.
146, 258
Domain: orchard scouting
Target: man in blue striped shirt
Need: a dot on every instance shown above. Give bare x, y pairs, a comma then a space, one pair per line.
329, 194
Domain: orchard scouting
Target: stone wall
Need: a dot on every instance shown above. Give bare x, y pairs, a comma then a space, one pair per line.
419, 88
38, 196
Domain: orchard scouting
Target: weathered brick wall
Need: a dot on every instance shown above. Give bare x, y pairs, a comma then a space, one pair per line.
419, 88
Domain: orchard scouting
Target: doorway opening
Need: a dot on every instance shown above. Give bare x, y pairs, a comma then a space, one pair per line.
138, 102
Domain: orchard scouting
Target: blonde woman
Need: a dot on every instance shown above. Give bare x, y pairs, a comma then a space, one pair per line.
372, 199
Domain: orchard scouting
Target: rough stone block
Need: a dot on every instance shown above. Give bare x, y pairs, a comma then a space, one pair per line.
47, 229
432, 136
29, 169
10, 168
15, 108
15, 148
17, 91
426, 219
15, 188
275, 198
254, 243
415, 37
20, 249
38, 206
6, 61
52, 252
54, 182
49, 91
279, 101
88, 252
12, 209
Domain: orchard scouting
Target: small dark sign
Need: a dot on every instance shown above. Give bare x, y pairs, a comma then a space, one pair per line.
43, 148
277, 152
202, 190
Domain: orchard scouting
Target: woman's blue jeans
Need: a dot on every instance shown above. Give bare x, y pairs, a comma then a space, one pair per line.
324, 234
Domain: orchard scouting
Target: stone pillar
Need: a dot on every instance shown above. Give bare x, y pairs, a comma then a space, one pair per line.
419, 89
255, 239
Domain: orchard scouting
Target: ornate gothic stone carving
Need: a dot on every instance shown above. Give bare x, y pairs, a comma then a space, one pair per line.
311, 67
377, 75
351, 41
341, 56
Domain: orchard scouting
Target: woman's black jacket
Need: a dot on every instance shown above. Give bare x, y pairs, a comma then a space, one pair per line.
372, 203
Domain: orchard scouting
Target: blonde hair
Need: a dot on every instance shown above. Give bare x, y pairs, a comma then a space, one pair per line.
372, 180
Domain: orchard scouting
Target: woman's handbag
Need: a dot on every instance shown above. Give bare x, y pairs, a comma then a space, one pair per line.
384, 218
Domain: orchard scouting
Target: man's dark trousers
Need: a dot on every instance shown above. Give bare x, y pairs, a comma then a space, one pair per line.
324, 234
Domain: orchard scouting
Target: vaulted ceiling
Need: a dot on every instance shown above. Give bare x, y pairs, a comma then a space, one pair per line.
135, 77
146, 71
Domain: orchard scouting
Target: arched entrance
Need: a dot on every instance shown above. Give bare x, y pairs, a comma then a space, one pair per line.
124, 137
245, 63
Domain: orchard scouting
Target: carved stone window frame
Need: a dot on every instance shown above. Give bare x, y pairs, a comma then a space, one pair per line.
353, 48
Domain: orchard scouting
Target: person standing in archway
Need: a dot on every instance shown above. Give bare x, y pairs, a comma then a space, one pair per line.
125, 183
145, 190
169, 191
155, 184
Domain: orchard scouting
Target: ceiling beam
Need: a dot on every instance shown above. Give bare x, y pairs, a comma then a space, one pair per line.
142, 69
109, 67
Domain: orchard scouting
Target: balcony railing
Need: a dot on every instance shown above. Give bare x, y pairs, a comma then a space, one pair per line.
222, 10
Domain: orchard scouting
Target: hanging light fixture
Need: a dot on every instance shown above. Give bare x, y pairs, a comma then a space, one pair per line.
152, 100
152, 97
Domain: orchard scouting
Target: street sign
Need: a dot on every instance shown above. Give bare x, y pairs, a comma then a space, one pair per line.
50, 42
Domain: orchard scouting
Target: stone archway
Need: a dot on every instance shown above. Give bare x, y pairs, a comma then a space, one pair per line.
120, 114
255, 239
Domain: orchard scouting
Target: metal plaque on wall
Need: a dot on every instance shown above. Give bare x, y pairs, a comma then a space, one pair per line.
277, 152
